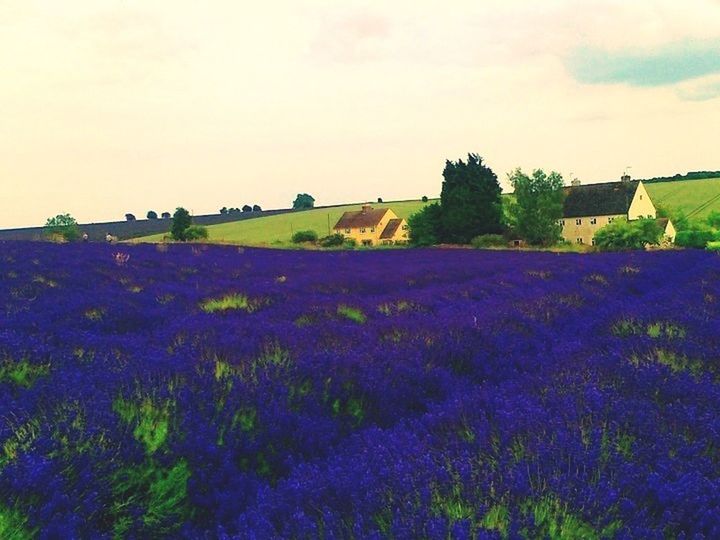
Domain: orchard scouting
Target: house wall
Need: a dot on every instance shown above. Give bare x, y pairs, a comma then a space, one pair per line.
670, 231
371, 234
641, 205
586, 230
402, 234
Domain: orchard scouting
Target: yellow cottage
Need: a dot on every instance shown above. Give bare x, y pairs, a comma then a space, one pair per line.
589, 208
371, 227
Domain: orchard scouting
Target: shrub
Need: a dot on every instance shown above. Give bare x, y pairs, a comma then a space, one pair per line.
304, 236
196, 232
623, 234
350, 243
488, 240
713, 246
333, 240
62, 226
695, 237
424, 198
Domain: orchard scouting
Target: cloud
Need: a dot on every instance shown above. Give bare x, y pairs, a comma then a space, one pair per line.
668, 64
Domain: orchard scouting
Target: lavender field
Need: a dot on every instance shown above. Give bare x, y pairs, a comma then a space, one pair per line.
211, 392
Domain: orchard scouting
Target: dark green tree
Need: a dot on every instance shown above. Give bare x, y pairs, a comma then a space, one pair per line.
425, 225
538, 206
256, 208
152, 214
247, 208
64, 226
224, 210
181, 221
470, 201
303, 200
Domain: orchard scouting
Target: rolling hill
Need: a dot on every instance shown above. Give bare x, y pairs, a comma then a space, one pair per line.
278, 229
696, 197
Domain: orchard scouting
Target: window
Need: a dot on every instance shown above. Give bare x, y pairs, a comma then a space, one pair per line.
362, 229
347, 231
404, 227
578, 221
593, 221
579, 240
561, 222
641, 197
372, 229
593, 242
611, 219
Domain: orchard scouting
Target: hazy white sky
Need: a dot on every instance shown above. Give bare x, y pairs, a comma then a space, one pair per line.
108, 107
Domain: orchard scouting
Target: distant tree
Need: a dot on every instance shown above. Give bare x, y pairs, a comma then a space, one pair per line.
424, 198
180, 224
425, 225
152, 214
380, 199
129, 217
256, 208
233, 210
166, 215
247, 208
224, 210
303, 200
622, 234
470, 201
538, 206
63, 226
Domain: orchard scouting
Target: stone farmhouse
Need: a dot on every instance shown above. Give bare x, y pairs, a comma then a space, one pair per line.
589, 208
371, 227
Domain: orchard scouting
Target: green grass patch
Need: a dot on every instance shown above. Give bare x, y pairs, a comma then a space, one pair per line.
22, 374
553, 520
229, 302
13, 525
150, 498
152, 421
354, 314
497, 519
655, 330
21, 440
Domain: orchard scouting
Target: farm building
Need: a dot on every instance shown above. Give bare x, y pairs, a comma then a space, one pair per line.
589, 208
371, 227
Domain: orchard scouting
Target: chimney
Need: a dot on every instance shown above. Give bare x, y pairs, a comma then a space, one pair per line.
366, 208
575, 182
625, 178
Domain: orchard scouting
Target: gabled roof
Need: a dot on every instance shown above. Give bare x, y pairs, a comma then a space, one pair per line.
611, 198
662, 221
390, 229
369, 217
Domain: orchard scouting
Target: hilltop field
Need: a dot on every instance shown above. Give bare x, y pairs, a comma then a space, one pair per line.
696, 198
193, 391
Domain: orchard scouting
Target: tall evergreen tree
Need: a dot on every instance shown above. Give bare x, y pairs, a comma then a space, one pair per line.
470, 201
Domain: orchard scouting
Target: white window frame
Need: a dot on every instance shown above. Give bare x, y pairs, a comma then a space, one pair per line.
593, 221
578, 221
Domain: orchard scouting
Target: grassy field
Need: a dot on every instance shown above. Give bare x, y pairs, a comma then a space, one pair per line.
278, 230
696, 198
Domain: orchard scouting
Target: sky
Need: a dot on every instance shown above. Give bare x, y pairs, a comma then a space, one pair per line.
109, 106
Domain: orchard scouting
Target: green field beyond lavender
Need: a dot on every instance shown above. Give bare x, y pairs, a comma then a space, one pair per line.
213, 392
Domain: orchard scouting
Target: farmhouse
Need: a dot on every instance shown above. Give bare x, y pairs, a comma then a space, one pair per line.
589, 208
370, 227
